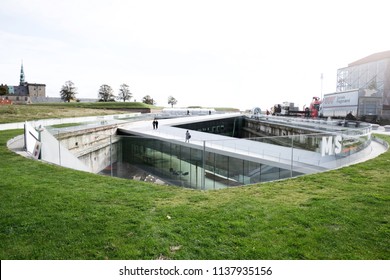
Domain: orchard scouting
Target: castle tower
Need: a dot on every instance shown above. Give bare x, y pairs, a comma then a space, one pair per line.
21, 75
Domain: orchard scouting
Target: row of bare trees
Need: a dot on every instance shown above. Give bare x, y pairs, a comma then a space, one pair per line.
68, 92
106, 93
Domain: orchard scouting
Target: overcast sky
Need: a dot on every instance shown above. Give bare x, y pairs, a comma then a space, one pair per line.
240, 54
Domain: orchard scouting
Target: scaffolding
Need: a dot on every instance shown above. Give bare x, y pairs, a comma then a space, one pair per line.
371, 76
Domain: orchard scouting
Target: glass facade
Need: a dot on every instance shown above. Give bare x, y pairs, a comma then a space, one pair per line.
207, 168
180, 165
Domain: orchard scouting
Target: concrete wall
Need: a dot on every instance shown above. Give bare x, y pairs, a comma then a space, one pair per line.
52, 151
102, 157
88, 149
95, 147
91, 150
253, 128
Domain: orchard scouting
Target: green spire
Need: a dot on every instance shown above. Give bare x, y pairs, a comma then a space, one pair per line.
21, 75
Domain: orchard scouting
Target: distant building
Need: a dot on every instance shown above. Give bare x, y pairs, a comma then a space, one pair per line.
370, 77
25, 92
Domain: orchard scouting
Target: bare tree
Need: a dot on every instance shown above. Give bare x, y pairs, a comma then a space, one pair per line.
68, 91
124, 93
106, 93
172, 101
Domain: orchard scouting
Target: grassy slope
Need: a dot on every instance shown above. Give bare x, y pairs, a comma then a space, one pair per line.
97, 105
49, 212
20, 113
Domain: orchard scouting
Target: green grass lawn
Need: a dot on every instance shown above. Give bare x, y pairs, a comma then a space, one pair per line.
97, 105
21, 113
50, 212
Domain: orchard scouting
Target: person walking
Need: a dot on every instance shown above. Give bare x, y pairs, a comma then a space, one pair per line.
188, 136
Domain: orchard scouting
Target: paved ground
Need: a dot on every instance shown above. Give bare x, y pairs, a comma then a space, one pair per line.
376, 147
381, 130
376, 150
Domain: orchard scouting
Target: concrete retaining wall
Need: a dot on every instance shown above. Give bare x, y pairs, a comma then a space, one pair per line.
95, 147
52, 151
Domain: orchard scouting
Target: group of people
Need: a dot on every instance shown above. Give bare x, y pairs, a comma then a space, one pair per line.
155, 124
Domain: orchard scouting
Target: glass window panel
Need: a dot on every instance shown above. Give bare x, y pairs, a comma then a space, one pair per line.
236, 170
210, 169
221, 170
